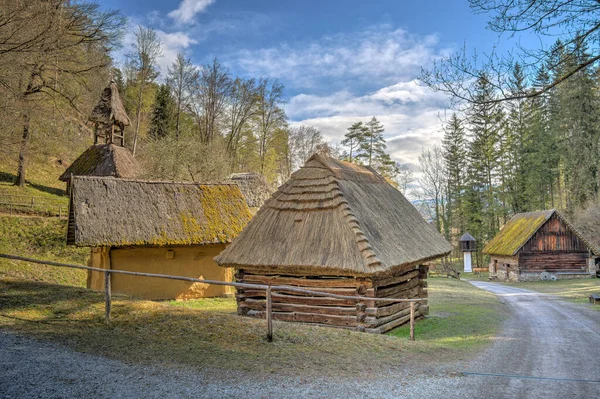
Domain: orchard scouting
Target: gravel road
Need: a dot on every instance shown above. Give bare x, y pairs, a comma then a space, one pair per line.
547, 349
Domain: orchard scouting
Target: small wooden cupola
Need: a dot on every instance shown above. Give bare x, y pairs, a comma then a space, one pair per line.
467, 243
109, 114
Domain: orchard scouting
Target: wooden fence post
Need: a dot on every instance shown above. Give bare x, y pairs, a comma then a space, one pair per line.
269, 316
107, 297
412, 321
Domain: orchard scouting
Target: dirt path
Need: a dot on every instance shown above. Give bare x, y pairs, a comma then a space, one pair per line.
547, 349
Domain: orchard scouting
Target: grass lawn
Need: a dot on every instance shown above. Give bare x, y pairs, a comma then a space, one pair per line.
575, 290
41, 238
461, 316
208, 335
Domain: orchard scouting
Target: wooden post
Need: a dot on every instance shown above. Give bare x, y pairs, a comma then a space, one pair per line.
269, 316
412, 321
107, 297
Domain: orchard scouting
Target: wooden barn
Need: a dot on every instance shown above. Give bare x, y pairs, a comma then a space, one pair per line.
540, 245
156, 227
108, 156
340, 228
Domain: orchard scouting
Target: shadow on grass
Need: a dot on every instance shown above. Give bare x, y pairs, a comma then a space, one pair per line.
49, 190
11, 178
7, 177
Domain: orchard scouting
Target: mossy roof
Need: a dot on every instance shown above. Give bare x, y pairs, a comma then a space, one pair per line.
519, 230
103, 160
117, 212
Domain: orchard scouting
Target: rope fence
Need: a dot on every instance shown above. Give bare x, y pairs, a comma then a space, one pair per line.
269, 289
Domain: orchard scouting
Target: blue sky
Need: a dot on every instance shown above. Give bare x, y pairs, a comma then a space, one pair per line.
341, 61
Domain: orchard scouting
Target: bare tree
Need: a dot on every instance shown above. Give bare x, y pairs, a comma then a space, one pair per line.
433, 182
404, 177
242, 107
181, 79
270, 116
211, 91
147, 50
304, 142
575, 22
49, 51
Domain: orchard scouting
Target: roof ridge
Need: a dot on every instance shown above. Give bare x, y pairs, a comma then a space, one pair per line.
189, 183
362, 242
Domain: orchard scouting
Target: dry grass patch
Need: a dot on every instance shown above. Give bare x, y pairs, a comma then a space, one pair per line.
211, 336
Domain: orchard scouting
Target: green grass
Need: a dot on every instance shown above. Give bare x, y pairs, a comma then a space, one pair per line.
575, 290
209, 335
40, 238
210, 304
41, 183
461, 316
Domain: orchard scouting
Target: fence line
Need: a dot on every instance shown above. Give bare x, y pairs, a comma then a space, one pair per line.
268, 289
34, 204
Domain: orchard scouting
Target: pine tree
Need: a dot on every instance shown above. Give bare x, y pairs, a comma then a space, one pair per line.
163, 113
486, 122
373, 144
353, 139
454, 150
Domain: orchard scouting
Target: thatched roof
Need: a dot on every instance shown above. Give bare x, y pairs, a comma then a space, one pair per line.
254, 187
116, 212
519, 230
110, 108
335, 218
104, 160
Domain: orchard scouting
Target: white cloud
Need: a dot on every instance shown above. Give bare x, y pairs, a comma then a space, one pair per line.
188, 9
380, 54
410, 113
172, 43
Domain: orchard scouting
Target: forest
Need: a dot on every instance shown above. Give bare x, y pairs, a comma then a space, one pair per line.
196, 123
532, 145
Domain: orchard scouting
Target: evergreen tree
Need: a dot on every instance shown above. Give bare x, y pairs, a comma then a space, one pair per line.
353, 139
454, 152
373, 144
486, 123
162, 122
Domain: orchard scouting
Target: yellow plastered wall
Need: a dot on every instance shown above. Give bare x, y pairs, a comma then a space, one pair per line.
193, 261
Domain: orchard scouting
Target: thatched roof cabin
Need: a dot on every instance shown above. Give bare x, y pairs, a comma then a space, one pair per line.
336, 218
255, 188
107, 160
157, 227
540, 244
342, 221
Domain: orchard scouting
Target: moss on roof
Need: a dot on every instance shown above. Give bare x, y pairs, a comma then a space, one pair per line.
118, 212
517, 231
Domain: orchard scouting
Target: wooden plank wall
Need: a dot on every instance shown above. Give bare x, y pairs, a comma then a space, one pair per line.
554, 235
370, 316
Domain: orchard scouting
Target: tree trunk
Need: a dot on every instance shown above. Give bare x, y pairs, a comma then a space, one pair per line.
138, 117
20, 180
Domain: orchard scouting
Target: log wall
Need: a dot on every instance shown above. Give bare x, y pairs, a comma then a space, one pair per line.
369, 316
